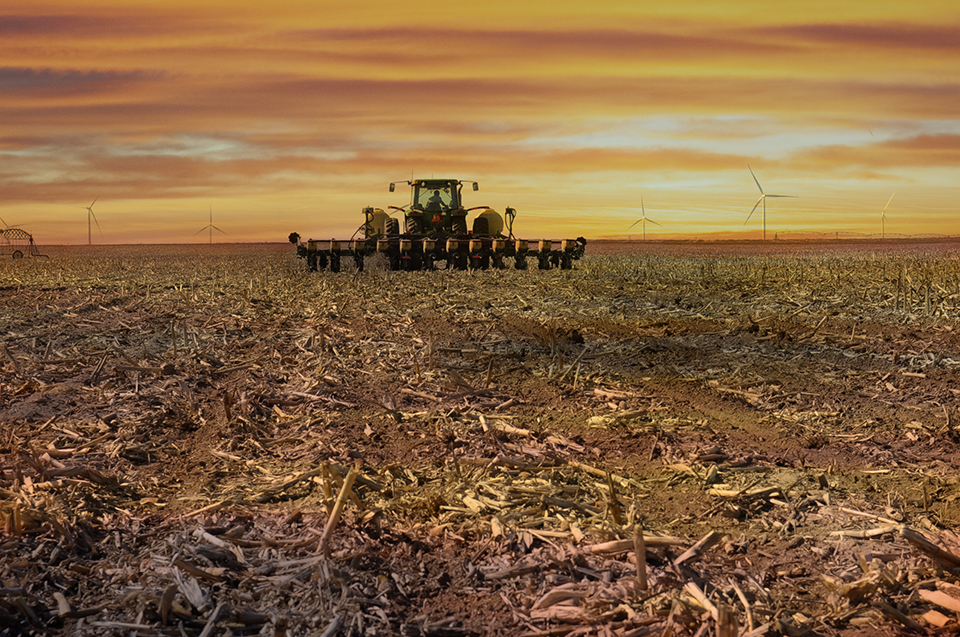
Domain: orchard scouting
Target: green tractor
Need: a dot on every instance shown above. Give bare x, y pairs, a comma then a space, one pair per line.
435, 230
436, 207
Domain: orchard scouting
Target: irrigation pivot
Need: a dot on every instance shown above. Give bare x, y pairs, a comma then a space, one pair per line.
762, 201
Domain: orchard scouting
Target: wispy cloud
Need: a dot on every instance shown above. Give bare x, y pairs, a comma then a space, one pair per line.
57, 84
897, 36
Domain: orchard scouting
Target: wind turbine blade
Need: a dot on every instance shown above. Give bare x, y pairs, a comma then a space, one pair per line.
4, 223
642, 211
95, 220
635, 223
752, 210
94, 201
881, 212
754, 178
653, 222
218, 229
787, 196
201, 230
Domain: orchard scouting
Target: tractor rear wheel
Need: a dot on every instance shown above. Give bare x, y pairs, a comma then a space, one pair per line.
391, 226
414, 225
459, 226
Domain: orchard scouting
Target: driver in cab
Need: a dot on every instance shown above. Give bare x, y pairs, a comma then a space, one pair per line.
435, 202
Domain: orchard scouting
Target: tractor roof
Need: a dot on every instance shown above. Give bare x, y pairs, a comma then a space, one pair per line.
434, 181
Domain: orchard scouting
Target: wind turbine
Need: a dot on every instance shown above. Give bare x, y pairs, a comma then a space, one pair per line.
643, 220
90, 214
210, 227
5, 226
883, 217
762, 200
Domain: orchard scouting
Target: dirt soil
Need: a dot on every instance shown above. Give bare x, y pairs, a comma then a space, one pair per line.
210, 440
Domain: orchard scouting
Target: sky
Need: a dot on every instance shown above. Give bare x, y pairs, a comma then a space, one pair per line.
283, 116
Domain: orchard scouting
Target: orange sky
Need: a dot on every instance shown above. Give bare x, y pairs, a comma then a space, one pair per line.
286, 116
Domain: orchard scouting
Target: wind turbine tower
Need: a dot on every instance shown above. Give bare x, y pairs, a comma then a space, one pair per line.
762, 201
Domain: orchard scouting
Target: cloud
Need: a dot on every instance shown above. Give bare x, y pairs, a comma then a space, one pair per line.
525, 46
106, 24
921, 151
885, 36
29, 82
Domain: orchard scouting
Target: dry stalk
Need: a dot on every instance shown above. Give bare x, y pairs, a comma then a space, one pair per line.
337, 511
640, 551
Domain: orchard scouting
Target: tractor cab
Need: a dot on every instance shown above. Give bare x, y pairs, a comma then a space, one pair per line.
435, 196
435, 206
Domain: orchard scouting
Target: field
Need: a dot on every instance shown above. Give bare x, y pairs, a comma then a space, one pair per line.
209, 440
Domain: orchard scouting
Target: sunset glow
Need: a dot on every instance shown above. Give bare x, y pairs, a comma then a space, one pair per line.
292, 116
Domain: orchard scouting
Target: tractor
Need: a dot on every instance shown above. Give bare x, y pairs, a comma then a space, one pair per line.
435, 230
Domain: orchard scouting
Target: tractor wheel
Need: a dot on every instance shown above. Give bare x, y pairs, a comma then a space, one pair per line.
481, 225
17, 254
391, 226
414, 225
458, 226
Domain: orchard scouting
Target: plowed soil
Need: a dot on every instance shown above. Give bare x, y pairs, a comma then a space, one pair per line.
177, 422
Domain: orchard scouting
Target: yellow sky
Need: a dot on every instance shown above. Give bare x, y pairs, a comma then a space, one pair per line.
292, 116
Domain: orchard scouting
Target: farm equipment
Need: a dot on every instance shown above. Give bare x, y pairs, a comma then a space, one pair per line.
17, 243
434, 230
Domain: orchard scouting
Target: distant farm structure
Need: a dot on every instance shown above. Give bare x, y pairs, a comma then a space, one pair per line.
18, 243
